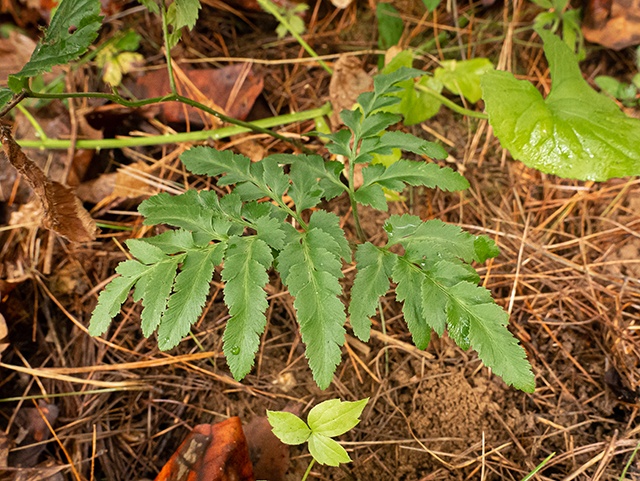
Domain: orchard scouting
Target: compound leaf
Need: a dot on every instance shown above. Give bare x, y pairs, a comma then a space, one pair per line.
375, 267
327, 172
575, 133
390, 25
271, 231
274, 176
190, 293
411, 143
311, 271
73, 28
245, 277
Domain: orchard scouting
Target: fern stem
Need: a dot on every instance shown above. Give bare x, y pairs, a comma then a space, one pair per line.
452, 105
306, 474
167, 50
269, 7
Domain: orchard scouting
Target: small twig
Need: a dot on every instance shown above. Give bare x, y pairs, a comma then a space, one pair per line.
11, 105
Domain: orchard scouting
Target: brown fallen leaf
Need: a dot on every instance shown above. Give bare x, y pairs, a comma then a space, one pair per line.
217, 85
269, 455
33, 431
211, 452
612, 23
4, 344
348, 81
63, 211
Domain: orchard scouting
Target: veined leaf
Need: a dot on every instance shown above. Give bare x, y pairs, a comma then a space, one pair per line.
151, 5
274, 176
375, 267
245, 277
110, 300
334, 417
190, 293
327, 172
390, 25
271, 231
305, 190
73, 27
288, 427
383, 85
414, 173
211, 162
329, 223
194, 211
327, 451
186, 13
436, 236
411, 143
575, 133
311, 270
5, 96
173, 241
407, 276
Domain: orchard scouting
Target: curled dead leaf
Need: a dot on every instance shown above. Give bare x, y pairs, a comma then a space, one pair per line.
612, 23
4, 344
63, 211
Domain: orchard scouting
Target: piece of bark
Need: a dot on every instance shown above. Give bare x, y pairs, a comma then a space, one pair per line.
63, 211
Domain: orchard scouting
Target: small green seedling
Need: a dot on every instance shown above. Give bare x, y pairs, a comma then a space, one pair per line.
624, 92
328, 419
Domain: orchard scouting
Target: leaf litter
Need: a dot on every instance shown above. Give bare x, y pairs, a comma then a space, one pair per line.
568, 276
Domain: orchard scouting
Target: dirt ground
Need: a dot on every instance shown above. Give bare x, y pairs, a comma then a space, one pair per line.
568, 274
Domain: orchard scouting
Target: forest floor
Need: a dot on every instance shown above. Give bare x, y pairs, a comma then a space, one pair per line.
568, 274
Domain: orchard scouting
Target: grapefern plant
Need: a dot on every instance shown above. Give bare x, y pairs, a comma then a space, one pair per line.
249, 236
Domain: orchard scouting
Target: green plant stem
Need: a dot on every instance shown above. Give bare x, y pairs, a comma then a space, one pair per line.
354, 204
269, 7
33, 121
313, 461
167, 50
216, 134
538, 468
633, 455
452, 105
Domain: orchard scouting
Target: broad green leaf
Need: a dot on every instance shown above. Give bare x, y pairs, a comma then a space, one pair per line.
194, 211
463, 77
408, 277
390, 25
5, 96
288, 427
190, 293
73, 28
329, 223
612, 86
211, 162
110, 300
575, 133
375, 267
439, 238
245, 277
186, 13
311, 270
327, 451
334, 417
305, 190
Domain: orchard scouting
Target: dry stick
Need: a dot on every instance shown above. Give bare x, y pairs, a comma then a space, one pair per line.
518, 265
